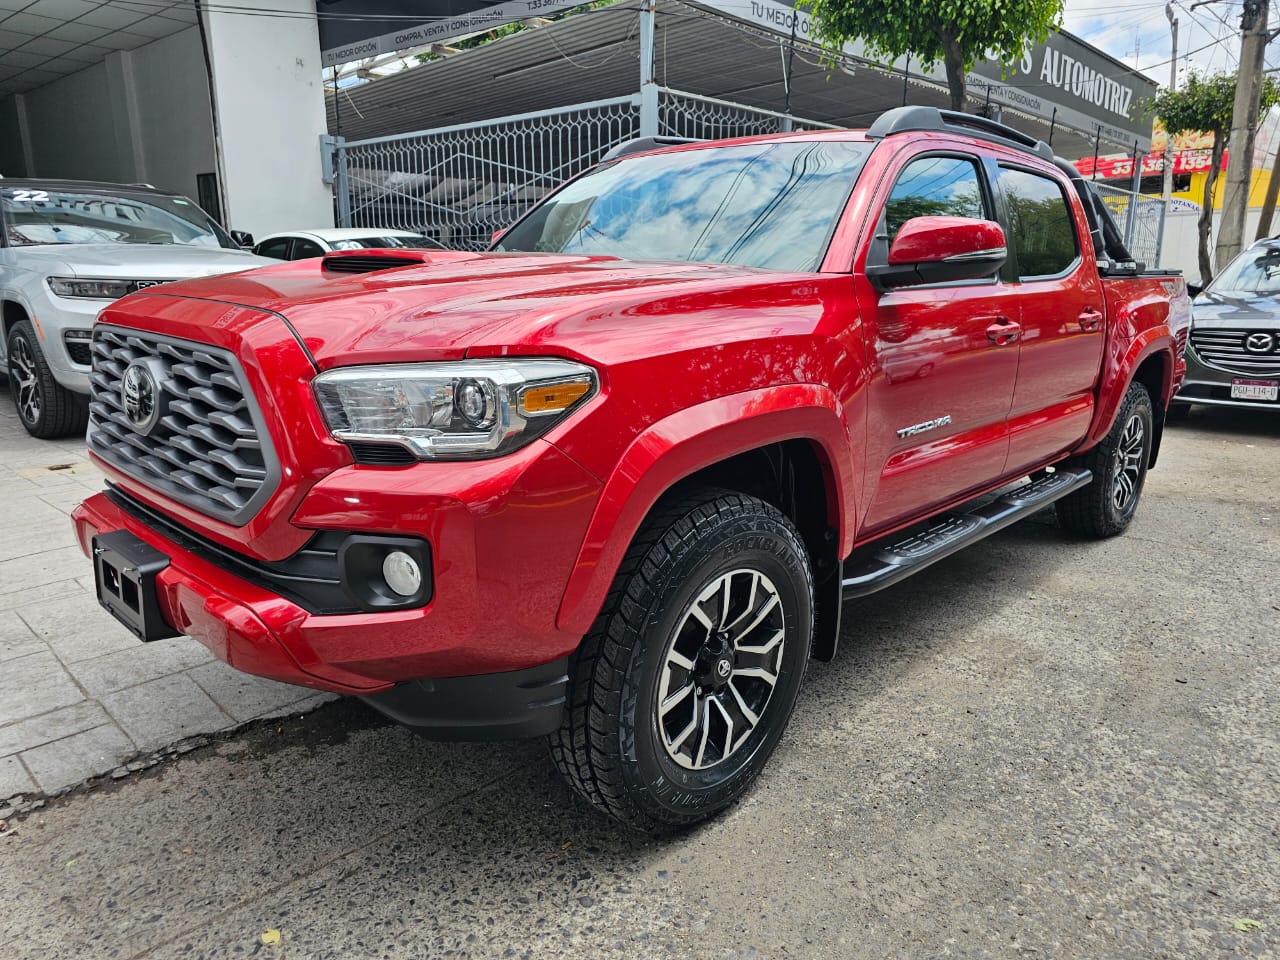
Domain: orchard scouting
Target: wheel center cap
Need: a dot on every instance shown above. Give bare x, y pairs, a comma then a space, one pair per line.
715, 665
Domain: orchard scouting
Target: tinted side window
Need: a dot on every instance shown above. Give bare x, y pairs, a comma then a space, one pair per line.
305, 249
278, 248
933, 187
1044, 236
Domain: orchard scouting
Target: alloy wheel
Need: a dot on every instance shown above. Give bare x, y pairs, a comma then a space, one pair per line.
24, 373
720, 668
1127, 468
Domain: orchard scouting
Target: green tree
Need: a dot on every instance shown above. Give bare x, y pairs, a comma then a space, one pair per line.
957, 32
1203, 105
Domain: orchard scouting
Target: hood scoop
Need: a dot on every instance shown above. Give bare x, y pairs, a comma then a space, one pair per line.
368, 261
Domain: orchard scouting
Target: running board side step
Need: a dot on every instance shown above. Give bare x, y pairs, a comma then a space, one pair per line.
881, 566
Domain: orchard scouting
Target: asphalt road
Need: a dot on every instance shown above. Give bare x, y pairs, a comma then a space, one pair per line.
1041, 748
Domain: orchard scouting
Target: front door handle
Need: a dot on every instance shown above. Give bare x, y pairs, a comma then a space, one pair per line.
1004, 332
1090, 320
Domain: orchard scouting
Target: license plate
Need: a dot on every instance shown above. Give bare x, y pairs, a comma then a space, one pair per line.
1255, 389
124, 572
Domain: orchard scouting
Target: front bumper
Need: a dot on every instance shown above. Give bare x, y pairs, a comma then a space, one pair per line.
54, 318
1211, 385
504, 540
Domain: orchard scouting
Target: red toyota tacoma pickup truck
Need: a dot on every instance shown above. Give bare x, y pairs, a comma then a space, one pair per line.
610, 481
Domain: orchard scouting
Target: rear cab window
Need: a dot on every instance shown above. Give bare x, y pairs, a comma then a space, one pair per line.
1042, 230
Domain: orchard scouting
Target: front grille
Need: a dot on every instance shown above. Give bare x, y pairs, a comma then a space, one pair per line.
205, 445
1225, 349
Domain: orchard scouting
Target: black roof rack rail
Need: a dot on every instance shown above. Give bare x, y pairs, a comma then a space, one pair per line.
644, 145
902, 119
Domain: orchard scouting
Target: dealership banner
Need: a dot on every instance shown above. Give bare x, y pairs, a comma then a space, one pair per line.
1063, 80
353, 30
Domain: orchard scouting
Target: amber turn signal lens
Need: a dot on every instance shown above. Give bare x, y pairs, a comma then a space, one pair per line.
552, 397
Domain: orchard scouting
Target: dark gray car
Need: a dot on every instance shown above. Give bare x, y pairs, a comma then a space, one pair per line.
1233, 353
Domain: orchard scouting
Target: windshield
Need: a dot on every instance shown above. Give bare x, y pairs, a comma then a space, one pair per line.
34, 216
1254, 271
769, 205
377, 243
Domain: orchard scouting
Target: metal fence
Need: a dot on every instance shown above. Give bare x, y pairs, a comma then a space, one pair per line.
459, 184
1140, 218
689, 115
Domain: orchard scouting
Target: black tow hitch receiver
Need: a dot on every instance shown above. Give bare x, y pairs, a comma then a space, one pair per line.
124, 570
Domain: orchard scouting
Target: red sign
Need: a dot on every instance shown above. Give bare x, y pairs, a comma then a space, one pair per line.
1120, 166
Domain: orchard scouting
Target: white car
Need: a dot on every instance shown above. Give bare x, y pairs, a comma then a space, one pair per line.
304, 244
67, 249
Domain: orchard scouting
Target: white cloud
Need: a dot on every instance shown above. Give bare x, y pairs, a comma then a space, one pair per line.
1137, 32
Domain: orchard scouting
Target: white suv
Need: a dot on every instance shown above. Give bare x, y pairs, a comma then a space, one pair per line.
67, 249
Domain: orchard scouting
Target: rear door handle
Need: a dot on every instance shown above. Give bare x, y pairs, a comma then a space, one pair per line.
1090, 319
1004, 332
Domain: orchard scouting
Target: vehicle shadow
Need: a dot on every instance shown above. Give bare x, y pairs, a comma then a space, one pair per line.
1231, 421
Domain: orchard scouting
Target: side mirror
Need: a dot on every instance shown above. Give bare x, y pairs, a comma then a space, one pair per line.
941, 250
242, 239
1194, 289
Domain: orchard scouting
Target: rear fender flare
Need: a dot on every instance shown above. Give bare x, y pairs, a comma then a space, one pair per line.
684, 443
1122, 365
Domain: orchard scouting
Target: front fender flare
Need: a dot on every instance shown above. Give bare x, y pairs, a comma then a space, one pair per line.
684, 443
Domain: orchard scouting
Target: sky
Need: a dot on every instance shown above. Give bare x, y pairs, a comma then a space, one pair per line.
1137, 32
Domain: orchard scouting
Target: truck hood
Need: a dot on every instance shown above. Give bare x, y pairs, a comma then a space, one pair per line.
1236, 310
140, 261
435, 310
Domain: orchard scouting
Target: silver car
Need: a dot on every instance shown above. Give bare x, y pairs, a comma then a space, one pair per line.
67, 249
1233, 352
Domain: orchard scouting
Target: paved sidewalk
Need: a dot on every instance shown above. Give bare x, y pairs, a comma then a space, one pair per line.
79, 695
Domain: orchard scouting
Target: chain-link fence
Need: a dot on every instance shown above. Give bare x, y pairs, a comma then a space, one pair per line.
459, 184
1140, 219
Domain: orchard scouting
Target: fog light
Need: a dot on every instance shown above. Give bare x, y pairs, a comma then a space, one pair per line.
402, 573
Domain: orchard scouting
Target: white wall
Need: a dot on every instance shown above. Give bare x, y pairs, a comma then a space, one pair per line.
171, 121
145, 116
14, 146
267, 86
139, 116
1180, 240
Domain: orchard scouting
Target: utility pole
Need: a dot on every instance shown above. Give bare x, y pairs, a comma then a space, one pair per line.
1167, 187
1244, 127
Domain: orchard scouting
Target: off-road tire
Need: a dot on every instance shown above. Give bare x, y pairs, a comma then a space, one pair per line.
1099, 510
611, 748
45, 407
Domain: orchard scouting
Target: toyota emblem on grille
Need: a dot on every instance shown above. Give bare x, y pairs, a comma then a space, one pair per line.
139, 395
1259, 342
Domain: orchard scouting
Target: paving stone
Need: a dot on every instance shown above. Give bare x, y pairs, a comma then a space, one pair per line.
54, 725
14, 779
243, 696
41, 593
40, 568
35, 684
160, 712
70, 760
77, 628
16, 638
138, 663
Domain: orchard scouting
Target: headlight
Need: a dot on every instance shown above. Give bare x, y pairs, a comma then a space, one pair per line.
461, 410
89, 289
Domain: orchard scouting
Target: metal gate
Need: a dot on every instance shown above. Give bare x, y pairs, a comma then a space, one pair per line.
460, 184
